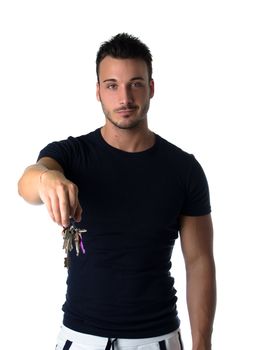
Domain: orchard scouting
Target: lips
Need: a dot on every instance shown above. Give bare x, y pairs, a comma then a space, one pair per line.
126, 110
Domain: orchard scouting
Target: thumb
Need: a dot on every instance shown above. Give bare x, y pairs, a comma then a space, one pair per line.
78, 213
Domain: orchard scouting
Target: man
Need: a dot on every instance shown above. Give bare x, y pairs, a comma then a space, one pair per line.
133, 192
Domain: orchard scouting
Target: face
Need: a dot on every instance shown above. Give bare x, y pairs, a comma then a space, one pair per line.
124, 91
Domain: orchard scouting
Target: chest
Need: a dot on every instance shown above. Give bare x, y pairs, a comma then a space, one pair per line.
145, 193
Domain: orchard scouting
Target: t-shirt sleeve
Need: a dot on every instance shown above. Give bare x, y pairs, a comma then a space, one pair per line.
197, 198
62, 151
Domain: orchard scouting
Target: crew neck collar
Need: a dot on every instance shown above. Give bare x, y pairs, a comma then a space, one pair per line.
117, 150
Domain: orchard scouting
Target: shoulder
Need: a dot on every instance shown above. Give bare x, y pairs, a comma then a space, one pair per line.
184, 164
174, 153
74, 142
82, 139
69, 148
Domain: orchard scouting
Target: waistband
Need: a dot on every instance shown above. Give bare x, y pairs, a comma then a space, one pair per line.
89, 339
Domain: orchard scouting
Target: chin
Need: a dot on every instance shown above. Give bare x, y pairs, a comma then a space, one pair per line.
128, 124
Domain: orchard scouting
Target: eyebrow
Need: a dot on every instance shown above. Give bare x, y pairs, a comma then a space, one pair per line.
114, 80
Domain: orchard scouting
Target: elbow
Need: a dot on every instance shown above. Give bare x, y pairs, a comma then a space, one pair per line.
25, 190
19, 187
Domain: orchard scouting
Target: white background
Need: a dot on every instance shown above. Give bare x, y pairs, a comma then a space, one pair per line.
204, 103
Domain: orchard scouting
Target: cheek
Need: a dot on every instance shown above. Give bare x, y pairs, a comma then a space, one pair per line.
108, 99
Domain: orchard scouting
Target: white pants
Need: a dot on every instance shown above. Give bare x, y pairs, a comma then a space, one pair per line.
69, 339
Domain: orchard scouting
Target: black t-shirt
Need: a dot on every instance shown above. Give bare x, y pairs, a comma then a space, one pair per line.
132, 202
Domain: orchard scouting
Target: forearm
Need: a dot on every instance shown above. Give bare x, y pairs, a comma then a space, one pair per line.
201, 301
29, 183
46, 183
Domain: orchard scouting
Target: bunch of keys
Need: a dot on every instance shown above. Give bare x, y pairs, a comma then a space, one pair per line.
70, 234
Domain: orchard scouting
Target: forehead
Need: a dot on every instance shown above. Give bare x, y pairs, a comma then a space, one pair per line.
122, 69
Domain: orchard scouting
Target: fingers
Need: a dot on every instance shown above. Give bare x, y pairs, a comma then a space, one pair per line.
58, 208
78, 213
61, 209
69, 206
73, 199
61, 199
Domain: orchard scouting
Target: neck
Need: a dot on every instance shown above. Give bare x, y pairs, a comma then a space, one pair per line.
128, 140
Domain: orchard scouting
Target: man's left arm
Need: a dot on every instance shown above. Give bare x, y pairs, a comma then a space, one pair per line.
196, 234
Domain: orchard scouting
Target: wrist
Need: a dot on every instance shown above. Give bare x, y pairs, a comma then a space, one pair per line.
42, 174
53, 174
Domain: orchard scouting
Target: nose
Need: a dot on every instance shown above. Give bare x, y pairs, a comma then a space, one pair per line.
125, 95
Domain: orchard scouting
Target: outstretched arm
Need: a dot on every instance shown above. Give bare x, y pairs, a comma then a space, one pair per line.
197, 246
44, 182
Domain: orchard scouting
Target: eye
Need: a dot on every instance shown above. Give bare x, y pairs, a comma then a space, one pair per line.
137, 84
112, 86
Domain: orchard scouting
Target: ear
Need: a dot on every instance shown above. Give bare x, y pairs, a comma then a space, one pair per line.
152, 88
98, 92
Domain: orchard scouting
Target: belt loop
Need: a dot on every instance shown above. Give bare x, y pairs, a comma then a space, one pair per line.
162, 345
114, 340
110, 344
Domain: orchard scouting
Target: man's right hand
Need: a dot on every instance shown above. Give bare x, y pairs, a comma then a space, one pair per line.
60, 197
44, 182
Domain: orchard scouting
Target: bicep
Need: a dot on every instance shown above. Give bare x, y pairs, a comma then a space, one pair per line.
196, 233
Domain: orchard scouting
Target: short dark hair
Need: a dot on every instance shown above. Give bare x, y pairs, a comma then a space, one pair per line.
124, 45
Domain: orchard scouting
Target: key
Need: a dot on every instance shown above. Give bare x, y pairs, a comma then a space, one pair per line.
76, 242
66, 262
68, 237
71, 234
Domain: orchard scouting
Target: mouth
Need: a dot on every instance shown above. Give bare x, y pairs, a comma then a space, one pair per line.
126, 110
126, 114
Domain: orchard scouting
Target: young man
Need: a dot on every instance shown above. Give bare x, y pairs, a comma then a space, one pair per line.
134, 192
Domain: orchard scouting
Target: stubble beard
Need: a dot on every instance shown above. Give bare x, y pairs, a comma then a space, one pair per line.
129, 122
